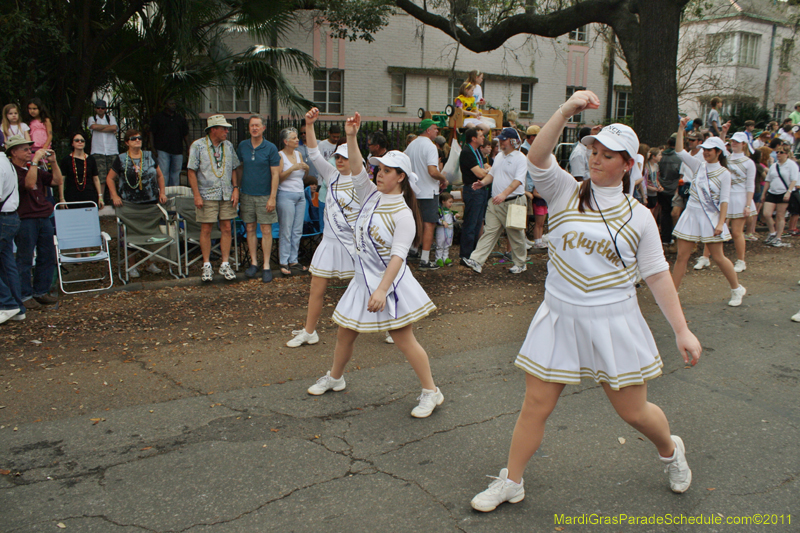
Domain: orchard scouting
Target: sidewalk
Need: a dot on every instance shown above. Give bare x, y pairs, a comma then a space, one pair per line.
276, 459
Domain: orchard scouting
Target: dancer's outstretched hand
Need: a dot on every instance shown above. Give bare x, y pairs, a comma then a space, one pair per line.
353, 124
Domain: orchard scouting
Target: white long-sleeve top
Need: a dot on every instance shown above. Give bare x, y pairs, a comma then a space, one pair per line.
584, 268
743, 173
719, 180
392, 214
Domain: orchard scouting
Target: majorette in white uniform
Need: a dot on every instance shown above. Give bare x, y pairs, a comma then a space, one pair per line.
711, 186
334, 255
406, 300
743, 180
590, 325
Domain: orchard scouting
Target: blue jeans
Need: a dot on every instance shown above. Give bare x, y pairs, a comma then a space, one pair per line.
35, 234
10, 296
170, 165
474, 212
291, 212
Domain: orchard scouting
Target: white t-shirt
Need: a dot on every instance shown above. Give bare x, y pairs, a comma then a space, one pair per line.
326, 148
579, 161
423, 153
103, 143
506, 169
789, 173
8, 185
17, 130
478, 93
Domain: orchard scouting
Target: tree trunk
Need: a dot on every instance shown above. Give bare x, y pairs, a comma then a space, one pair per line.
653, 76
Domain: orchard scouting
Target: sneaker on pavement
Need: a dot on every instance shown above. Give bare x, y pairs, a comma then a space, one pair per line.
388, 339
528, 244
702, 262
46, 299
739, 266
326, 383
252, 271
428, 401
500, 490
795, 318
751, 237
777, 243
8, 314
771, 237
208, 273
153, 269
134, 273
680, 476
736, 296
301, 338
427, 265
517, 270
266, 275
227, 272
19, 317
474, 265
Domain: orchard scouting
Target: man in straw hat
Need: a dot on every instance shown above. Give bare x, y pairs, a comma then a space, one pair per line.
211, 165
35, 229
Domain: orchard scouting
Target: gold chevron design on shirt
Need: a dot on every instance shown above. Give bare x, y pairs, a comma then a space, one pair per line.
596, 283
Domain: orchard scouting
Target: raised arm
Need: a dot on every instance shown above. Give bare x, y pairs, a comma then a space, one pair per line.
542, 147
324, 168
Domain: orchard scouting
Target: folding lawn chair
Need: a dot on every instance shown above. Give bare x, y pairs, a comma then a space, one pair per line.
78, 233
140, 227
189, 232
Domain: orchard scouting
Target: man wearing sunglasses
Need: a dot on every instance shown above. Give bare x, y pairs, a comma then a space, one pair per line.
105, 146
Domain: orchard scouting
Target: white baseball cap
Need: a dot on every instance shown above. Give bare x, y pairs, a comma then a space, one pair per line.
342, 151
715, 142
739, 137
397, 159
617, 137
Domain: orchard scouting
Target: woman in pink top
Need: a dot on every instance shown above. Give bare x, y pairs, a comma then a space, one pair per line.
41, 127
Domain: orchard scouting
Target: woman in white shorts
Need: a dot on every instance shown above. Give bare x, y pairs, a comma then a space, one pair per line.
703, 220
589, 324
383, 295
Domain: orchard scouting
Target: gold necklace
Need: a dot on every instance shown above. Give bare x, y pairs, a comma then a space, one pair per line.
136, 169
212, 158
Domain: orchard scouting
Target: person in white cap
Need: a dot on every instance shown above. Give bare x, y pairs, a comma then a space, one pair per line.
589, 324
507, 178
333, 257
741, 206
383, 294
703, 220
210, 168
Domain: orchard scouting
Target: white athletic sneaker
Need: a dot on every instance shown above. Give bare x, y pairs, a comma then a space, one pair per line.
326, 383
474, 265
795, 318
517, 270
428, 401
208, 273
227, 272
8, 314
388, 339
736, 296
739, 266
680, 475
301, 338
153, 269
528, 244
702, 262
500, 490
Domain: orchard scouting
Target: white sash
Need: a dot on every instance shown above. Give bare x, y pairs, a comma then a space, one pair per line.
336, 219
710, 207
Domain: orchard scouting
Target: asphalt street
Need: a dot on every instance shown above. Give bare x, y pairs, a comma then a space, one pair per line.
276, 459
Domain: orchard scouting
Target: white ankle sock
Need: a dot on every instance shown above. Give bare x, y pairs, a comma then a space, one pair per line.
206, 264
425, 256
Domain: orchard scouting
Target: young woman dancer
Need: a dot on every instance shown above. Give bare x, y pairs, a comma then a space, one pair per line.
383, 294
589, 324
741, 206
334, 255
703, 220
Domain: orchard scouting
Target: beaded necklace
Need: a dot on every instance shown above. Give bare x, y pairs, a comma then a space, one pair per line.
214, 158
137, 169
78, 184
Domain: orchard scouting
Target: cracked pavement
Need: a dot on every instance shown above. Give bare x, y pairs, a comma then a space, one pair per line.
276, 459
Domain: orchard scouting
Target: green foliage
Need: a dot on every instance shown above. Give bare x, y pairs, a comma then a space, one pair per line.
754, 112
356, 19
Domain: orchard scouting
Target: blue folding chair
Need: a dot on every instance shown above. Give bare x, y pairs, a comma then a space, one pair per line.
78, 240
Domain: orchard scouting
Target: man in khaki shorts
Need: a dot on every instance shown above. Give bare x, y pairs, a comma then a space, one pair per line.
258, 175
211, 165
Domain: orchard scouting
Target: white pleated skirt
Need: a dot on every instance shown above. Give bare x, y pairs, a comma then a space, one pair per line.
737, 203
607, 343
351, 312
695, 226
331, 260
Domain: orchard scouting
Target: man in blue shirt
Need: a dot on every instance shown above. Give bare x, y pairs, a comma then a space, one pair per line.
259, 177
